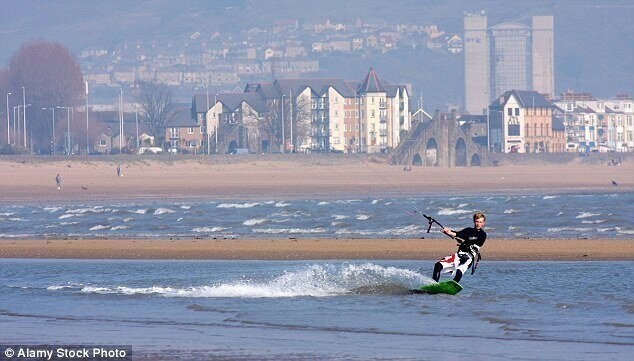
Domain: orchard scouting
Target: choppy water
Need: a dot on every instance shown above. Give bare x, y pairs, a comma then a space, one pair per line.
544, 216
321, 310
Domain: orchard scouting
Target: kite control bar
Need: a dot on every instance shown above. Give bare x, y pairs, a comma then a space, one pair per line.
431, 222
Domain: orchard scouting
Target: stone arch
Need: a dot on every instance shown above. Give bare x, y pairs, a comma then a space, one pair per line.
233, 147
417, 160
431, 152
461, 153
475, 160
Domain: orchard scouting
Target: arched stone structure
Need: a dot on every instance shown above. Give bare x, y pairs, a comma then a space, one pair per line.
440, 142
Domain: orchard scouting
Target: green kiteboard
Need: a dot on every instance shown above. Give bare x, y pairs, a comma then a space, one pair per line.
449, 287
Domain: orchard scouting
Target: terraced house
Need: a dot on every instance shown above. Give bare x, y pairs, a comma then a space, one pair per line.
306, 115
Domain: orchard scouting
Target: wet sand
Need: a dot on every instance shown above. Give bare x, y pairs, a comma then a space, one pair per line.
313, 249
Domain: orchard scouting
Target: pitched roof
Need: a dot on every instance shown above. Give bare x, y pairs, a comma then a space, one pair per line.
181, 117
234, 100
372, 83
526, 98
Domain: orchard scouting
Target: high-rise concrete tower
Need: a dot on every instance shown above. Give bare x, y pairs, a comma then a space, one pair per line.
476, 63
543, 74
509, 58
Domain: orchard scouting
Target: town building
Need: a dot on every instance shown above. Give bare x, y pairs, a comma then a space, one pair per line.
522, 121
307, 115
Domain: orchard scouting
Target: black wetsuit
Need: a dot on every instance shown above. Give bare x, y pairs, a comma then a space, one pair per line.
471, 236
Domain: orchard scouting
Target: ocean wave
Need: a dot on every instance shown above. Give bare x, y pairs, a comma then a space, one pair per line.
140, 211
339, 216
254, 221
362, 217
593, 222
550, 197
511, 211
289, 230
208, 229
323, 203
282, 204
98, 227
311, 281
163, 211
64, 216
587, 215
451, 211
575, 229
116, 228
238, 205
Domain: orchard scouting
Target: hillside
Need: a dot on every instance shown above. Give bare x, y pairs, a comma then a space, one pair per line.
591, 50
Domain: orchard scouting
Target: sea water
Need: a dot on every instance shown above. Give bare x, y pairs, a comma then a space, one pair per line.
321, 310
508, 216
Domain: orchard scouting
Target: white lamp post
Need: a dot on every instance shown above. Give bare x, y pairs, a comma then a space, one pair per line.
8, 121
24, 115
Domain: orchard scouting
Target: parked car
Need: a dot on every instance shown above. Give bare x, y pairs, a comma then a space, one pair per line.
150, 150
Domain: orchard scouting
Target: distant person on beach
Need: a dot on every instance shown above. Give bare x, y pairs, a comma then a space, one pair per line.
470, 240
58, 181
119, 170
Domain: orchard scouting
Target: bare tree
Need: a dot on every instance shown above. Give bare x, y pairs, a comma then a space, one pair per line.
50, 76
296, 114
157, 103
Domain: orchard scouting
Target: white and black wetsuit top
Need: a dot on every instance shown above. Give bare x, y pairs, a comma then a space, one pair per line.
471, 236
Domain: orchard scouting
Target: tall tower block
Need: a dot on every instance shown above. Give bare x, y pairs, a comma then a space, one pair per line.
476, 63
543, 72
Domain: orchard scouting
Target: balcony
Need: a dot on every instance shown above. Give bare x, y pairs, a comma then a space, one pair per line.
382, 119
382, 105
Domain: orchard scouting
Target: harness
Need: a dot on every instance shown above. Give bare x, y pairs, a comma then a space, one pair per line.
472, 251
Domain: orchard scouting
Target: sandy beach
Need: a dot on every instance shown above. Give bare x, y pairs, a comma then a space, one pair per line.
289, 176
297, 176
313, 249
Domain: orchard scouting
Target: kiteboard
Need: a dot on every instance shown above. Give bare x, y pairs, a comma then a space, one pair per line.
449, 287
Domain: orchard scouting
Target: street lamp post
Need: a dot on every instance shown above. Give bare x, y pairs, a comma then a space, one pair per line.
67, 128
283, 140
53, 127
24, 115
8, 126
136, 120
87, 141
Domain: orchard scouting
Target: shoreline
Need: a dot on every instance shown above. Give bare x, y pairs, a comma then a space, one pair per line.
315, 249
294, 178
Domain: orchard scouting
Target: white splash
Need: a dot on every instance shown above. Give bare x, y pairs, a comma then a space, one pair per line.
311, 281
254, 221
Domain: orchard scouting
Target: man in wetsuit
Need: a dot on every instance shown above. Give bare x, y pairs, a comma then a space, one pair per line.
469, 240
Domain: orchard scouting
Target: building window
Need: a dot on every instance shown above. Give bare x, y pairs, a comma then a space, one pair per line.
190, 130
509, 111
514, 129
517, 112
102, 142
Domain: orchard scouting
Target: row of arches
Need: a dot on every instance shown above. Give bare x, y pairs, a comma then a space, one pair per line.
430, 156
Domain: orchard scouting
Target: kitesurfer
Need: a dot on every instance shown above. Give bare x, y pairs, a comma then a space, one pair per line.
470, 240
